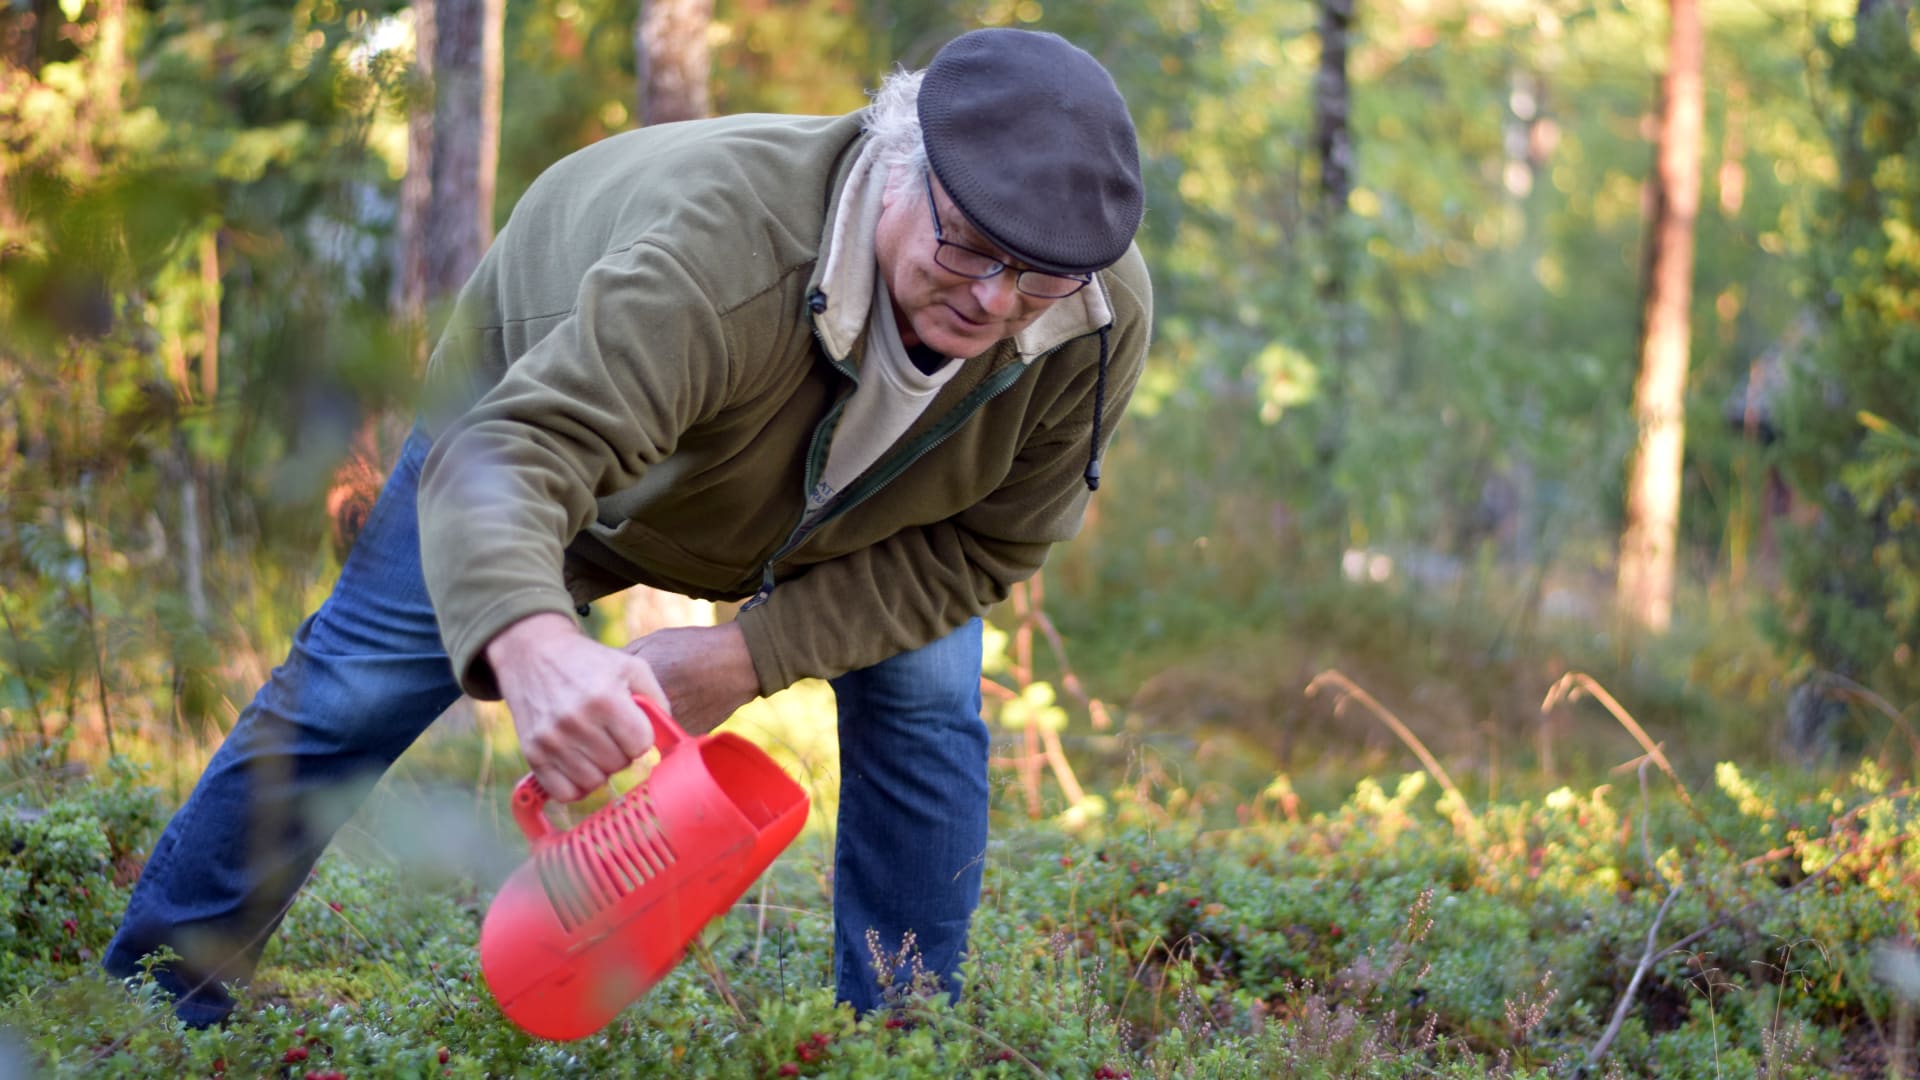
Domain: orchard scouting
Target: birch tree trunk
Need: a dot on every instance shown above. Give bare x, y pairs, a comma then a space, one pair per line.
1648, 543
1333, 142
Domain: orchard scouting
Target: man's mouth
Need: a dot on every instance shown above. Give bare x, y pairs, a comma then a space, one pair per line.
958, 314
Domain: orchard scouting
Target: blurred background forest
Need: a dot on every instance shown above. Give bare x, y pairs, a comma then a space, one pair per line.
1438, 283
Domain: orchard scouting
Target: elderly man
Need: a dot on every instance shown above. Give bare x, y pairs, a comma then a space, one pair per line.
859, 369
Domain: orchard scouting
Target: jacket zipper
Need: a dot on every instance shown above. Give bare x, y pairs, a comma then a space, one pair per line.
889, 469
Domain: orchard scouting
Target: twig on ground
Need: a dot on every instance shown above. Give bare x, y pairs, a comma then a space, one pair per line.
1647, 959
1648, 956
1653, 957
704, 957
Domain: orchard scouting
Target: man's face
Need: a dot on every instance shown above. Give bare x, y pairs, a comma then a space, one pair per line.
948, 313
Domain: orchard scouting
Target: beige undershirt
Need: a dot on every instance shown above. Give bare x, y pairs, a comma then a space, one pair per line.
893, 392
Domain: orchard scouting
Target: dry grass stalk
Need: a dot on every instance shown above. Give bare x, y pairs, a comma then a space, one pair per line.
1843, 687
1347, 690
1569, 689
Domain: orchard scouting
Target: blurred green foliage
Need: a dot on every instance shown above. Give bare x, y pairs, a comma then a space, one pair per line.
195, 272
1852, 409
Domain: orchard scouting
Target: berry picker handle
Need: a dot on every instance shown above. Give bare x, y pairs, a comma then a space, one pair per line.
530, 799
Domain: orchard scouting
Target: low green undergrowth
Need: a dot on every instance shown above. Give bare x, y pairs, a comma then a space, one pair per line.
1748, 929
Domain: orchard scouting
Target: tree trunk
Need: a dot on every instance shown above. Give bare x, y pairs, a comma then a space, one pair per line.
1332, 105
109, 57
1332, 96
670, 53
670, 56
1644, 589
466, 139
446, 207
409, 298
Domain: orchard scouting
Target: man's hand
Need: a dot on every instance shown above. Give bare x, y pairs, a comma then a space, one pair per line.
706, 671
572, 702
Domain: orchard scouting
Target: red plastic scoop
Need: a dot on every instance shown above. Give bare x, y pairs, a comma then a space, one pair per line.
602, 911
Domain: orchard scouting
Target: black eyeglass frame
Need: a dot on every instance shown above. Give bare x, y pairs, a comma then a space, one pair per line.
941, 244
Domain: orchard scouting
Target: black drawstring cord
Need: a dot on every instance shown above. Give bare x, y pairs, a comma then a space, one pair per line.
1099, 408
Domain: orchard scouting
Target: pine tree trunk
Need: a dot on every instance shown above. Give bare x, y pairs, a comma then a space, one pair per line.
466, 139
409, 299
1648, 543
670, 53
446, 208
671, 58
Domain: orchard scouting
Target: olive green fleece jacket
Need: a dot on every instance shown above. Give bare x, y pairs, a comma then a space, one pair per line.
636, 386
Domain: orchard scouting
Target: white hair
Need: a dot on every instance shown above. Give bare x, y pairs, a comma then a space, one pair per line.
893, 122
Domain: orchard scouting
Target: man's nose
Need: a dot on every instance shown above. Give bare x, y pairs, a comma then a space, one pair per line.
998, 295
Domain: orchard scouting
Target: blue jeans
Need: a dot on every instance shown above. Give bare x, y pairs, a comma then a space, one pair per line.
367, 673
912, 836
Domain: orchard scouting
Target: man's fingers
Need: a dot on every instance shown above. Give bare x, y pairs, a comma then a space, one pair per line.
642, 680
631, 731
556, 784
567, 768
598, 748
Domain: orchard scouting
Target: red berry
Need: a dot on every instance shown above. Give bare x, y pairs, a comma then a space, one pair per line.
301, 1031
789, 1069
219, 1066
1195, 902
336, 905
297, 1053
1066, 860
805, 1052
896, 1022
69, 926
821, 1038
443, 1055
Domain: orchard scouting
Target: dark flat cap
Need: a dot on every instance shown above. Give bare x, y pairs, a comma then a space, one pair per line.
1031, 139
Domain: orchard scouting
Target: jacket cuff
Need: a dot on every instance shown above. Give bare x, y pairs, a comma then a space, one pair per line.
467, 642
771, 663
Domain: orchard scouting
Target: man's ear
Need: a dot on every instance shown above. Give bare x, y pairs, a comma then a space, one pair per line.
895, 185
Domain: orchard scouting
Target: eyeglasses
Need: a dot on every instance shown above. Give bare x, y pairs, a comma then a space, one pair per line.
968, 263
